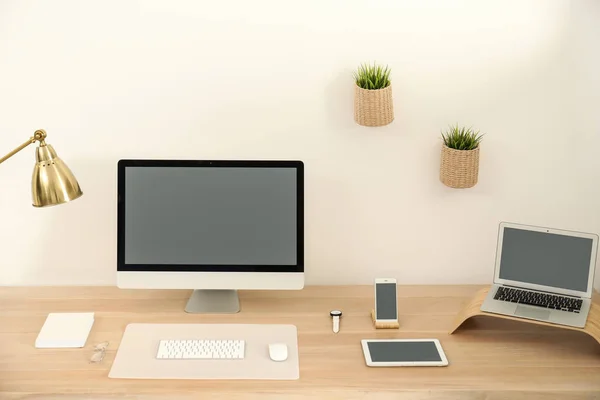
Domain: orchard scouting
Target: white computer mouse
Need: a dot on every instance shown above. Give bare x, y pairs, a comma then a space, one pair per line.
278, 351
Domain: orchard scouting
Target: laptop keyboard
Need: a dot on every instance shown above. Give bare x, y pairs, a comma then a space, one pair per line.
545, 300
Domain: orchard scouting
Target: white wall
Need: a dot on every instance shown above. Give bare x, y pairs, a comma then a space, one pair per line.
585, 129
272, 79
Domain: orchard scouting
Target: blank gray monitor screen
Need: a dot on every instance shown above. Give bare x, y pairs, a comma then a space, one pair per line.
547, 259
210, 216
403, 351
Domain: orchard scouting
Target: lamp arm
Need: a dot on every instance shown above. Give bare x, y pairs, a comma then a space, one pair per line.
39, 135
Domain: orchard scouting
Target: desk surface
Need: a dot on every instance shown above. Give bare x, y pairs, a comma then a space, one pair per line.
489, 358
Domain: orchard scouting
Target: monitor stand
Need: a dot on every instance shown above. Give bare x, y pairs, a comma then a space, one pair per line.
213, 302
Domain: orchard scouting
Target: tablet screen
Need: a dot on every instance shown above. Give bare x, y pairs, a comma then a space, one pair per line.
403, 351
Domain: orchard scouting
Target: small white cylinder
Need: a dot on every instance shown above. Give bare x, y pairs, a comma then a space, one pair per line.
336, 324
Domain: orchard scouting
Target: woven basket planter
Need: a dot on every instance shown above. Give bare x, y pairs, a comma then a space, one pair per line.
373, 107
459, 168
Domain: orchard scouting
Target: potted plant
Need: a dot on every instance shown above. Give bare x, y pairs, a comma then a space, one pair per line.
373, 104
460, 157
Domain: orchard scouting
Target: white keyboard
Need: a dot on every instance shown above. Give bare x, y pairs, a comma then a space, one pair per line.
201, 349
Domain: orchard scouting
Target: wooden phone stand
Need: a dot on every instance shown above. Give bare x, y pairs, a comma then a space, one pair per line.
473, 309
387, 325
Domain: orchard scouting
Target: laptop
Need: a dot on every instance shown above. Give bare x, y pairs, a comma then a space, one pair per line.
543, 274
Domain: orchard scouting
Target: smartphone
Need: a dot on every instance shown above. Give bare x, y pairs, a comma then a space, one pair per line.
386, 301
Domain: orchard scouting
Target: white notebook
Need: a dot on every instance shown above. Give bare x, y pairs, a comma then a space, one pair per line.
65, 330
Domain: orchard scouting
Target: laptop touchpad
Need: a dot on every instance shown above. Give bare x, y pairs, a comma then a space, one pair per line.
531, 312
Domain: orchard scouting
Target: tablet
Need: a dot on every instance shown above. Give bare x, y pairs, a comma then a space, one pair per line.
404, 353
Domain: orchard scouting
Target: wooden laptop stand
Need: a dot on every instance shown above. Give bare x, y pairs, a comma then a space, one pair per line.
473, 309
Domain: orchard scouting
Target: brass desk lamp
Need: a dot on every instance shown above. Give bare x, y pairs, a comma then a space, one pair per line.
52, 182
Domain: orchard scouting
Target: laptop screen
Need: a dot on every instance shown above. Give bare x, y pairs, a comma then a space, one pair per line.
547, 259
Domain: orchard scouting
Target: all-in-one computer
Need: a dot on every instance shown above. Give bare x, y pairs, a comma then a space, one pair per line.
212, 226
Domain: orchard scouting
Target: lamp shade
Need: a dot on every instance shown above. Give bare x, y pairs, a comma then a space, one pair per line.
52, 182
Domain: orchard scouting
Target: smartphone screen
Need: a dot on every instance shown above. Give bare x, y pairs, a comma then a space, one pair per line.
386, 301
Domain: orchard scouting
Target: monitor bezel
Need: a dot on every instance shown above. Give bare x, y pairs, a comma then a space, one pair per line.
592, 266
123, 164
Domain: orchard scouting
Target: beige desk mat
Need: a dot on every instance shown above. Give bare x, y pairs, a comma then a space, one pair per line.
136, 357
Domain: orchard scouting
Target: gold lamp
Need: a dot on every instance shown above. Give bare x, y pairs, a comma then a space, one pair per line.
52, 182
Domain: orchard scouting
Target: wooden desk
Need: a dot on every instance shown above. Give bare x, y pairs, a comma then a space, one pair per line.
489, 358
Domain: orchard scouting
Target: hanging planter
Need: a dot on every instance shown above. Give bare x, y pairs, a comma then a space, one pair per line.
459, 166
373, 103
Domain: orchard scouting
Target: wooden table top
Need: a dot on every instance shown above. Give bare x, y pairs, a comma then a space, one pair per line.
489, 358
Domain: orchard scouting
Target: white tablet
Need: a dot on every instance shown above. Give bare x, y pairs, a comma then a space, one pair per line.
404, 353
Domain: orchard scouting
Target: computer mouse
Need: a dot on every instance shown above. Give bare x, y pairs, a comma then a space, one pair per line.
278, 351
